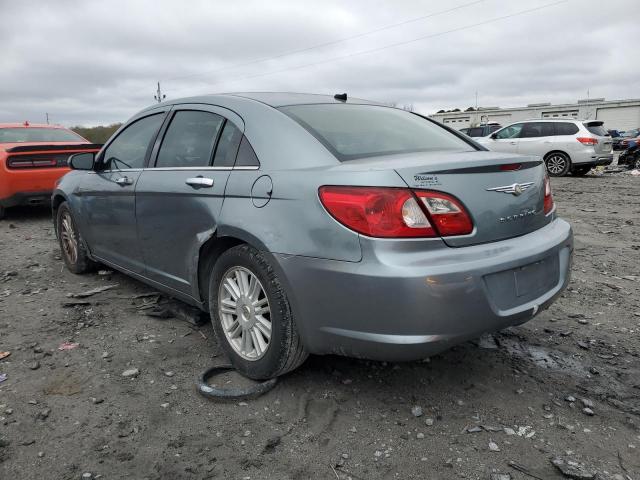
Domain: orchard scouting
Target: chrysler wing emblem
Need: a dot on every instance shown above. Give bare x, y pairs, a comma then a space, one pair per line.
514, 189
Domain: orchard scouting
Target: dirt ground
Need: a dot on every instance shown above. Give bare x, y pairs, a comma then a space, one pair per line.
500, 408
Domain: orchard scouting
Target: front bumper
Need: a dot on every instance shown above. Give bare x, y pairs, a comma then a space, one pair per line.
405, 302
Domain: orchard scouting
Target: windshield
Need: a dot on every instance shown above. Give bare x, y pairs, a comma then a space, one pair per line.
357, 131
29, 134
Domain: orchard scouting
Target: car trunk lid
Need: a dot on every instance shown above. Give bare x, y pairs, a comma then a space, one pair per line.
504, 194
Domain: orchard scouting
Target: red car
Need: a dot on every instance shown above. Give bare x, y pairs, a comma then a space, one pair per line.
32, 159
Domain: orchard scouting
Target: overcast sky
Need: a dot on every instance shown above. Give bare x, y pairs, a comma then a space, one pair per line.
97, 62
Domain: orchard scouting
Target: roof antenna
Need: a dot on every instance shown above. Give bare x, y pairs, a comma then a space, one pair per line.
341, 96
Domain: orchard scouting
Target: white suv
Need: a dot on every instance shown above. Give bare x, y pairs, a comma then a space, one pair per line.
565, 145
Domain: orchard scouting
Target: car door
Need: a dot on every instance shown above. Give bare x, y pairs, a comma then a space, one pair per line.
108, 205
505, 140
536, 138
179, 197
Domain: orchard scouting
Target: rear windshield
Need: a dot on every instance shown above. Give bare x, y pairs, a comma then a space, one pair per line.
29, 134
357, 131
597, 129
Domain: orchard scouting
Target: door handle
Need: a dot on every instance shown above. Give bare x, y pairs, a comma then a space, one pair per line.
123, 181
513, 143
199, 182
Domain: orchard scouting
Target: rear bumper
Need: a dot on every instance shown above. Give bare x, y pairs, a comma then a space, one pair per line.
593, 160
402, 302
26, 198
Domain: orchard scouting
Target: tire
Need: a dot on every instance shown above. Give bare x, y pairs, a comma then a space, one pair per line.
558, 164
74, 252
239, 328
636, 162
580, 171
2, 212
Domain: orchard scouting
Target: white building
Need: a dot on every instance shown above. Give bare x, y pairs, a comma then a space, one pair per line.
616, 114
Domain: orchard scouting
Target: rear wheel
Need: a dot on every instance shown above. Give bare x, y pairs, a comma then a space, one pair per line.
251, 315
580, 171
558, 164
74, 253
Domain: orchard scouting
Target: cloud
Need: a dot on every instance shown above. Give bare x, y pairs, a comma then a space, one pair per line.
98, 62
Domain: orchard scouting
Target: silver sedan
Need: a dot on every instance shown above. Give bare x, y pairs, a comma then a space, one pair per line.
318, 224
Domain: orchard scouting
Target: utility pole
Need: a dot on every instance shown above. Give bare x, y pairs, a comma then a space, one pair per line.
159, 96
47, 115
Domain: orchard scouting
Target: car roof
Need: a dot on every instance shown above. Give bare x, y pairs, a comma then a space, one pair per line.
276, 99
31, 125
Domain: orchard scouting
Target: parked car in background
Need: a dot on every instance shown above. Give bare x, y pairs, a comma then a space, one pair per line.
482, 130
629, 138
630, 157
32, 158
566, 146
316, 224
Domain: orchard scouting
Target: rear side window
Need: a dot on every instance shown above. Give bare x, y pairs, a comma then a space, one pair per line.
563, 128
246, 156
597, 129
190, 139
357, 131
129, 148
476, 132
537, 129
227, 146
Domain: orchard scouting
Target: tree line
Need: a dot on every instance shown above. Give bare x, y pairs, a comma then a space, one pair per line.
99, 134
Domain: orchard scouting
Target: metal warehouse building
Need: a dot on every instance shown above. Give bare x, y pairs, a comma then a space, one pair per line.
616, 114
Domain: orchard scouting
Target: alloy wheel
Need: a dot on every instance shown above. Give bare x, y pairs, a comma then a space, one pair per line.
556, 164
245, 313
68, 237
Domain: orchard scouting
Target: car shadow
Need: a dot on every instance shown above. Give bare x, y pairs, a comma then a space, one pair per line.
16, 214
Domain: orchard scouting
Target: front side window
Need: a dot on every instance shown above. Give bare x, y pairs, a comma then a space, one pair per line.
129, 148
190, 139
36, 134
358, 131
512, 131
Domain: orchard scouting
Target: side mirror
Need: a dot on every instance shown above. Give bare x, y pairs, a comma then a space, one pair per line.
494, 135
82, 161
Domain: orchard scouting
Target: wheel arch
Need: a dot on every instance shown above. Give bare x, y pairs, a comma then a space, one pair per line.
222, 240
56, 200
548, 154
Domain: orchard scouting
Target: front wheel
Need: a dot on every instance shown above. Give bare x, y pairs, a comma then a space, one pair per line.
251, 315
558, 164
74, 253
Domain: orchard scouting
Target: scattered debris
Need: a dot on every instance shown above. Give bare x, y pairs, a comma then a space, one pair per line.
3, 377
91, 292
4, 355
572, 469
68, 346
493, 446
131, 373
416, 411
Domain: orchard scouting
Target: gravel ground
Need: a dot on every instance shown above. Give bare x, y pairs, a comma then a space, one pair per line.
564, 388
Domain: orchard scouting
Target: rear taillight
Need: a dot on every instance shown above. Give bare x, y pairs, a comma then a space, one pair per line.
18, 162
587, 140
548, 196
396, 212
